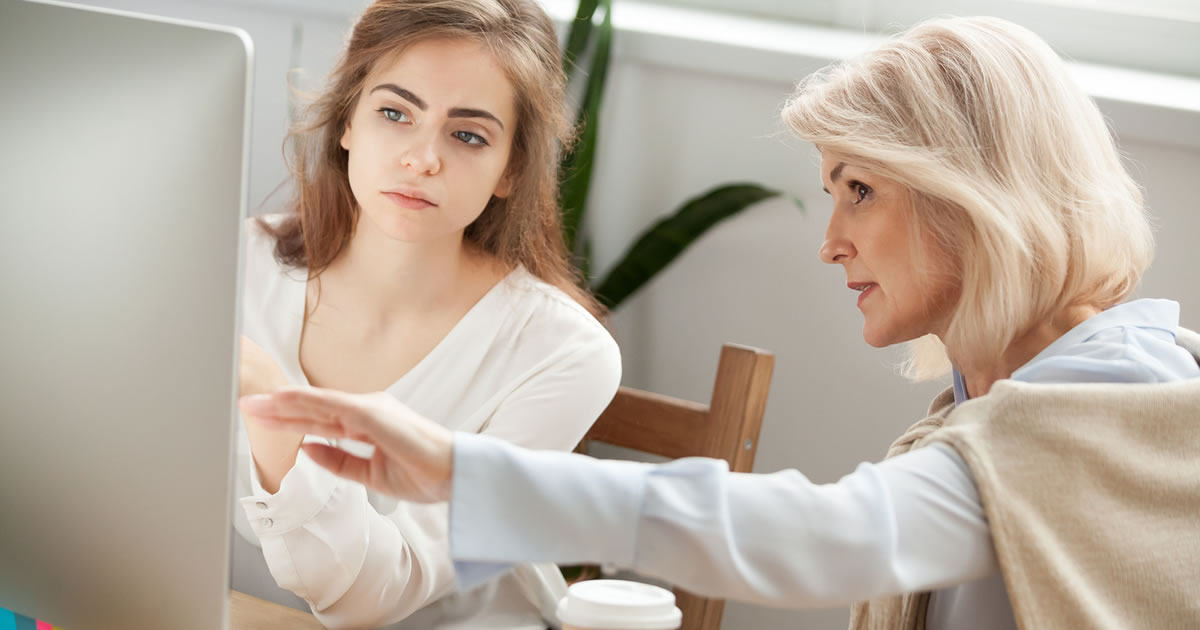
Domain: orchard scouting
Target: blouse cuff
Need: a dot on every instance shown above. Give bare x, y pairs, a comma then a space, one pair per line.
304, 491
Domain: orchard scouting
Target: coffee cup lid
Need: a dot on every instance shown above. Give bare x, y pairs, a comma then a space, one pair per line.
619, 605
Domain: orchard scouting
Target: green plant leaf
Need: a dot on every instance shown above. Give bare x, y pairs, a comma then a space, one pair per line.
576, 167
580, 33
661, 244
655, 249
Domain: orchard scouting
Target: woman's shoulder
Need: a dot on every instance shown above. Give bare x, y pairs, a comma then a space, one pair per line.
1134, 342
257, 234
549, 312
260, 245
261, 270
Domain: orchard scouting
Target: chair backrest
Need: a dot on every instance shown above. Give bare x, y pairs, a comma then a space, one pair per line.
726, 428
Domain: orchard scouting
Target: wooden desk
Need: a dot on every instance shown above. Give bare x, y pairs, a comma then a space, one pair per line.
252, 613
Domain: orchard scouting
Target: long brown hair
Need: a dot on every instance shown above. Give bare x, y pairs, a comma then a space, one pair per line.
523, 228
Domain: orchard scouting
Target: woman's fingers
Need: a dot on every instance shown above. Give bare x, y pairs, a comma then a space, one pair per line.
407, 446
294, 406
338, 462
299, 425
293, 402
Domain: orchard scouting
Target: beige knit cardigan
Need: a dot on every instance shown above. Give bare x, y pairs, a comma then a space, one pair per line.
1092, 495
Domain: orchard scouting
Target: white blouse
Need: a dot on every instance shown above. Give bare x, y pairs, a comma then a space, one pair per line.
527, 364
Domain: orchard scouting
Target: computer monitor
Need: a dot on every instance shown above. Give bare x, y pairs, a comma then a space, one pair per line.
123, 186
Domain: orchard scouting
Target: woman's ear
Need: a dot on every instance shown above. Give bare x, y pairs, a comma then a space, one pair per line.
345, 141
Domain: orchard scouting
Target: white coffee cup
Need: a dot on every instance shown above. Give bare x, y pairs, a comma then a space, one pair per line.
618, 605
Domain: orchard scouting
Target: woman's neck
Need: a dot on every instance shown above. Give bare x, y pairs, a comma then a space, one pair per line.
980, 375
381, 279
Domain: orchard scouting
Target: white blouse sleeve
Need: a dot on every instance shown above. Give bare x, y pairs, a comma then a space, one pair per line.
910, 523
557, 404
324, 541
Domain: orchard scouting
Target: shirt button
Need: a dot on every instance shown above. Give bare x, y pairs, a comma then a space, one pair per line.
266, 522
260, 505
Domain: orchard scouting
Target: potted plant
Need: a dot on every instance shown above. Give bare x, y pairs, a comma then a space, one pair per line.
659, 245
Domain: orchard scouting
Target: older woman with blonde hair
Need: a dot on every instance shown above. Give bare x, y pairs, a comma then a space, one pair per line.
981, 210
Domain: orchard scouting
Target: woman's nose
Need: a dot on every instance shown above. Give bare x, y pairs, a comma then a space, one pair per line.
421, 155
837, 248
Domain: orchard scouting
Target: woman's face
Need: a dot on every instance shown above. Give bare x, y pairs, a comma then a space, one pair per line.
869, 235
429, 140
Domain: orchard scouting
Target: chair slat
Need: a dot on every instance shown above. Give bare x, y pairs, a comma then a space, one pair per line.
652, 423
728, 428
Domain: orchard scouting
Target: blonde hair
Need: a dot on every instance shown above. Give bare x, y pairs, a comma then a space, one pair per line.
1010, 168
523, 228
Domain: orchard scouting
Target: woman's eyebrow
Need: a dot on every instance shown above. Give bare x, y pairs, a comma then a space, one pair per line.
834, 175
467, 112
402, 93
457, 112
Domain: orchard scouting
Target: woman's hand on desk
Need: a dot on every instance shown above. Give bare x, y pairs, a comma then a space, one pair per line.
413, 457
274, 450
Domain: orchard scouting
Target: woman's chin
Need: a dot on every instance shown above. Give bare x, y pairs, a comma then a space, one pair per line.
876, 338
396, 227
875, 344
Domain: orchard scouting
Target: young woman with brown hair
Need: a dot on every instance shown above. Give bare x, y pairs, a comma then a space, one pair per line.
423, 258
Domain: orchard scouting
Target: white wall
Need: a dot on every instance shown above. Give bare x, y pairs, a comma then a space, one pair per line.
672, 130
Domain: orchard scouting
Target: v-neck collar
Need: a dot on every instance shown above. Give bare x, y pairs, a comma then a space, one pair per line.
297, 302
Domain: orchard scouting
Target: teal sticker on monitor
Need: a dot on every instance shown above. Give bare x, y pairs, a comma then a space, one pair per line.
25, 623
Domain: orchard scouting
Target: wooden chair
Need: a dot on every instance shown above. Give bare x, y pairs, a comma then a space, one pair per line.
726, 428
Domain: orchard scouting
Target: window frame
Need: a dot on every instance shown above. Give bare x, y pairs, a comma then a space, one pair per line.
1150, 35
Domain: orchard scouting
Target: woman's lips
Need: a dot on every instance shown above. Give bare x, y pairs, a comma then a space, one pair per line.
407, 201
865, 292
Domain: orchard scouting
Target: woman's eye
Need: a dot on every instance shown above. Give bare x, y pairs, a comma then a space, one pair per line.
860, 189
469, 138
393, 115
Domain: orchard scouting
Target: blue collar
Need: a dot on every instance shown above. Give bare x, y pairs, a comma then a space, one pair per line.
1145, 313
